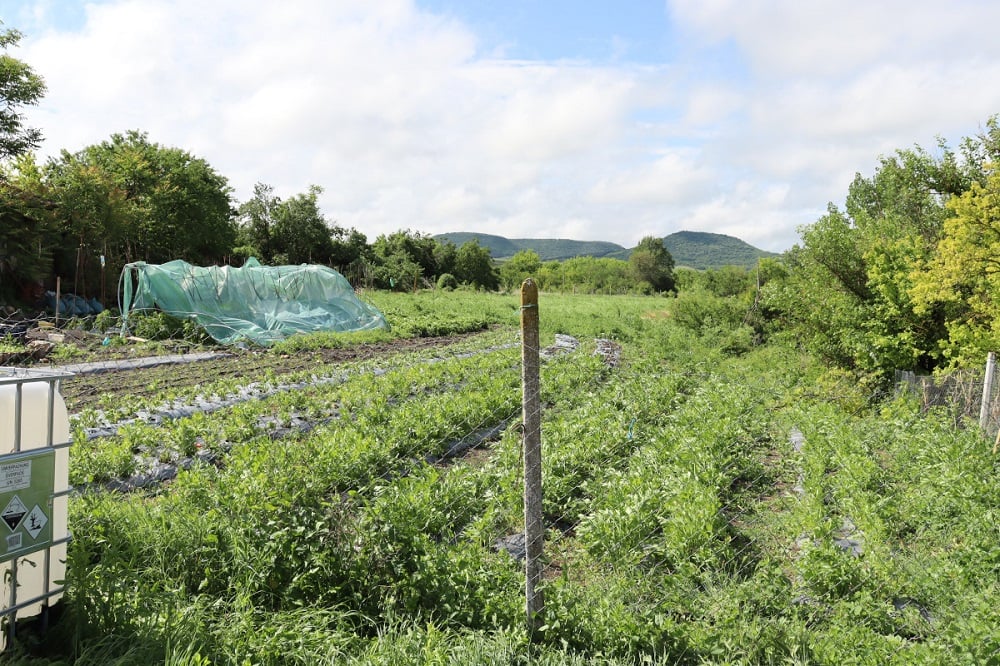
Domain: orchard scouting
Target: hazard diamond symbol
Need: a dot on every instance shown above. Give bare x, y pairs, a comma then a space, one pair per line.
13, 512
35, 521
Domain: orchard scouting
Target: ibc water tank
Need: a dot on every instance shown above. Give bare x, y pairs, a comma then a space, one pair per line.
34, 489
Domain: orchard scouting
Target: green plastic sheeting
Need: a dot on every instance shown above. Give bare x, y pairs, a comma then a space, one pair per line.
262, 304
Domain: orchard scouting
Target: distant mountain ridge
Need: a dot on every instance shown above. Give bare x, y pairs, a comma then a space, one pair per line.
547, 248
702, 250
693, 249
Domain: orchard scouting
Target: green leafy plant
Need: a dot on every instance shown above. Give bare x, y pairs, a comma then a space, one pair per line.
447, 282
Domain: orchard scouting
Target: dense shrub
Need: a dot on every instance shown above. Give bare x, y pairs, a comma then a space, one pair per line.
701, 311
447, 282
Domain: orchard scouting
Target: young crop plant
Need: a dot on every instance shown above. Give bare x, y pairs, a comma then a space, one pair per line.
298, 408
304, 342
166, 388
98, 461
413, 545
344, 518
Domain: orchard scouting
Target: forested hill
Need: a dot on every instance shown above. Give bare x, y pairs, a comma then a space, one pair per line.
698, 249
548, 249
695, 249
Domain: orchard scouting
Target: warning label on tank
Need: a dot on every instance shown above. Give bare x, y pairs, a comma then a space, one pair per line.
15, 475
35, 521
27, 489
13, 512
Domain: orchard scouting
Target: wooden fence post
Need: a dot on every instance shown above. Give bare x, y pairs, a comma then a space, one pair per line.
534, 533
984, 407
58, 286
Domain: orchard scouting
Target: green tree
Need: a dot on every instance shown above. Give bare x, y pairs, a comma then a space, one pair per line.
653, 264
724, 281
587, 275
26, 220
550, 276
474, 265
849, 287
578, 275
19, 87
397, 271
422, 250
28, 228
295, 231
962, 281
256, 218
155, 203
350, 247
300, 234
444, 256
521, 266
402, 258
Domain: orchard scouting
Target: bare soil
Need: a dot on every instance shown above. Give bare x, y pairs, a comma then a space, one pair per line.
85, 391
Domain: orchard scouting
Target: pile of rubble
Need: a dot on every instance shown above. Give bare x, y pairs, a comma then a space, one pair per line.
29, 339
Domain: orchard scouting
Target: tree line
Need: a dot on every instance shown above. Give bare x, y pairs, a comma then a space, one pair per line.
86, 214
129, 199
906, 275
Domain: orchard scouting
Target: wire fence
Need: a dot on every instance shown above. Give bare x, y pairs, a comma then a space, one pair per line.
961, 394
694, 509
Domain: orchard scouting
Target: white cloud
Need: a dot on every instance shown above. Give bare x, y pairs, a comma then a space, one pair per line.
759, 216
832, 38
555, 113
455, 203
765, 115
710, 104
670, 179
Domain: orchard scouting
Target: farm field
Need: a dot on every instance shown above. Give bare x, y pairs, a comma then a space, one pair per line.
345, 499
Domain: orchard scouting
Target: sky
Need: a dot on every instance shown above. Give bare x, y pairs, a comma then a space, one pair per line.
590, 120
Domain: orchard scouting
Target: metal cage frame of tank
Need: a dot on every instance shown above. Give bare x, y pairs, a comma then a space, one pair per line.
19, 377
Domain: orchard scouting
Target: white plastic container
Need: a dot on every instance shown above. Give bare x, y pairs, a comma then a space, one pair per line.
33, 424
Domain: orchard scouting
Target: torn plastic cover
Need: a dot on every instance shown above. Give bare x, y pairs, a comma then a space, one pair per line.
261, 304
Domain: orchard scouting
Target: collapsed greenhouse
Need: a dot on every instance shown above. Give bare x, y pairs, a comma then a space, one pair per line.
254, 303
